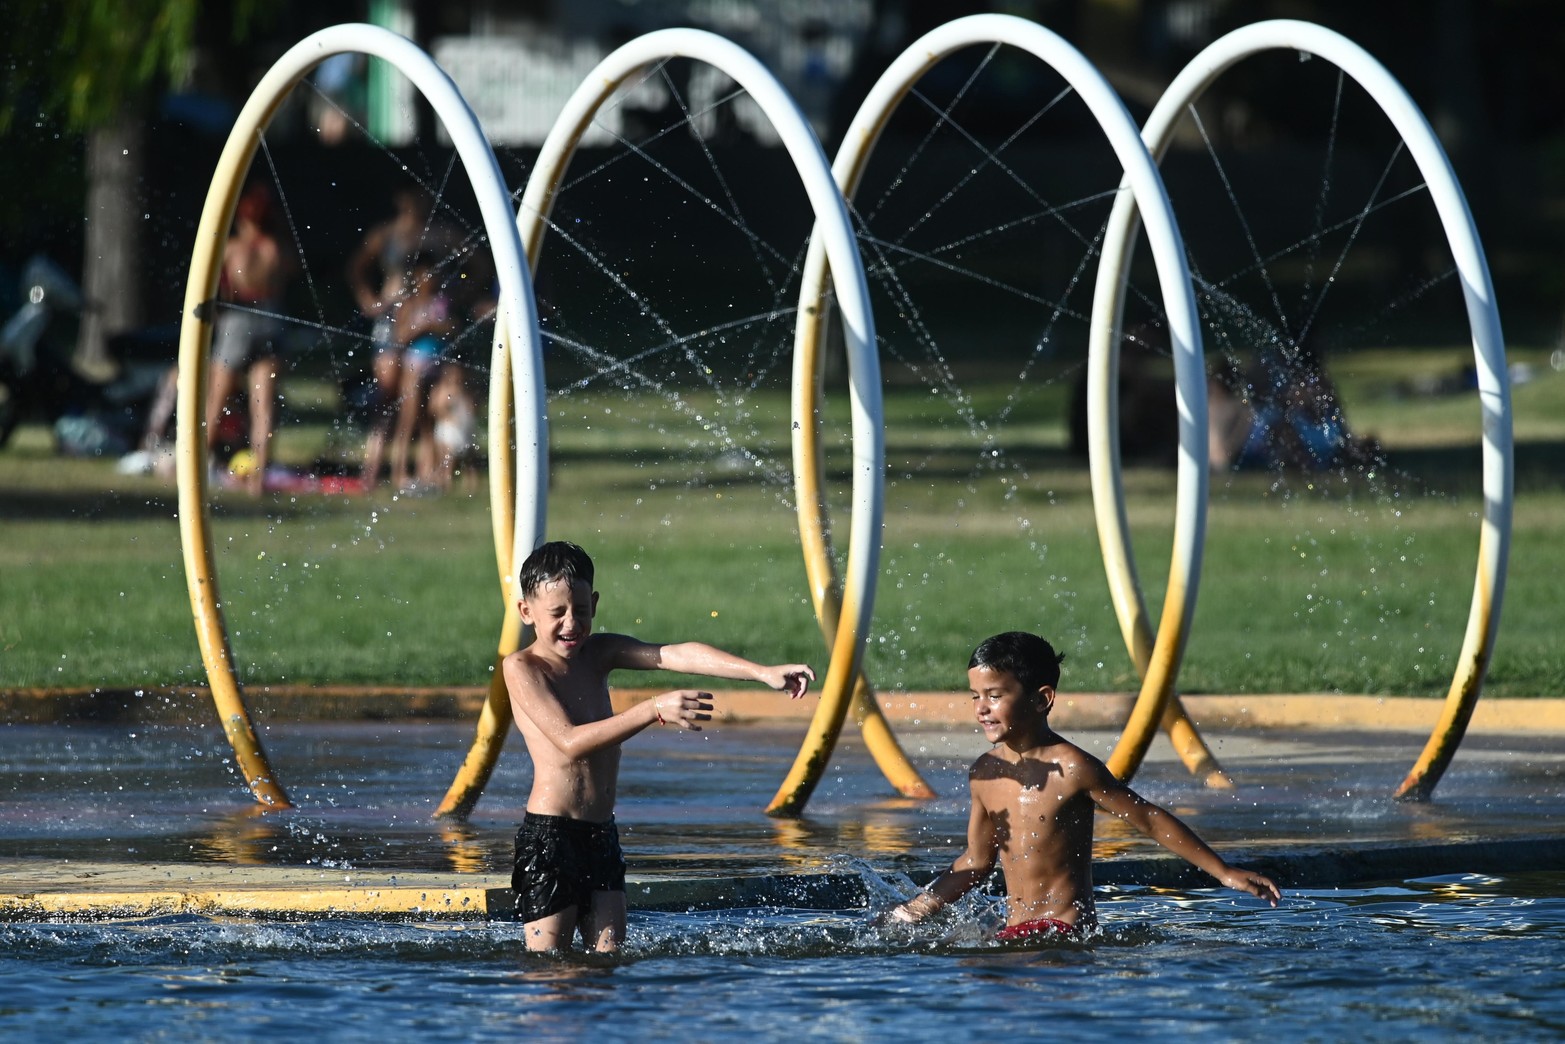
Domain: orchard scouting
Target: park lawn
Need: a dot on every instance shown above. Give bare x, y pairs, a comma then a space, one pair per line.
1324, 584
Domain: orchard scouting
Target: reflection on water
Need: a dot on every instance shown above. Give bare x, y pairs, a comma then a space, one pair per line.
871, 834
464, 850
243, 836
581, 978
1115, 837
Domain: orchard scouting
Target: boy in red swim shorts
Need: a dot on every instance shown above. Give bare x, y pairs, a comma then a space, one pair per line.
1034, 796
570, 875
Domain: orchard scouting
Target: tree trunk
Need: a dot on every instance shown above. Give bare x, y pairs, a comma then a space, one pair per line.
111, 262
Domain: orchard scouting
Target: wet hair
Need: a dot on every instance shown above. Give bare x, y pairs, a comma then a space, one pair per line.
556, 560
1031, 659
256, 206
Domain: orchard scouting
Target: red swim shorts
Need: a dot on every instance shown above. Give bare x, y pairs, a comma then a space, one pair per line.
1034, 929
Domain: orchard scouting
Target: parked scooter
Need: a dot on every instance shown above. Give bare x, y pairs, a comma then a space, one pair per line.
38, 382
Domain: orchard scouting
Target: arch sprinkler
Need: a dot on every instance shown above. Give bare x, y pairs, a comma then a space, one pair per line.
517, 313
1142, 179
834, 235
1488, 350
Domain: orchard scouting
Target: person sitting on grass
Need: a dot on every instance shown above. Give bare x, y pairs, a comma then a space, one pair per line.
1033, 799
569, 874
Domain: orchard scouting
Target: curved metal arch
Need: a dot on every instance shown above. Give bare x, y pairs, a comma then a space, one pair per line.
516, 310
1156, 702
1488, 349
835, 231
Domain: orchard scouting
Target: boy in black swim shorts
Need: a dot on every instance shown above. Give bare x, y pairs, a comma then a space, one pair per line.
561, 861
570, 875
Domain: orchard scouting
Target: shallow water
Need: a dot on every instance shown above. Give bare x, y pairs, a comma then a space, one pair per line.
692, 802
1469, 956
1474, 957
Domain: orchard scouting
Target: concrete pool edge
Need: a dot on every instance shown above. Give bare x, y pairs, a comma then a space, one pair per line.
46, 889
905, 710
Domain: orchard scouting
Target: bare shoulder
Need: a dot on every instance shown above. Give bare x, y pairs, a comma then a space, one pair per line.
1076, 767
1072, 756
520, 668
985, 767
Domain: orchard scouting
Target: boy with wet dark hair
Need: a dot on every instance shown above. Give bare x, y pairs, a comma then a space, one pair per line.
570, 874
1034, 796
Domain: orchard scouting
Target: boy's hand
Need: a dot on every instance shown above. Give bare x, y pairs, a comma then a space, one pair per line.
792, 678
891, 916
1258, 885
683, 707
922, 905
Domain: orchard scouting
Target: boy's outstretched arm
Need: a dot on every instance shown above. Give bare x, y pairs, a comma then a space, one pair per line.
700, 658
531, 696
1168, 830
969, 870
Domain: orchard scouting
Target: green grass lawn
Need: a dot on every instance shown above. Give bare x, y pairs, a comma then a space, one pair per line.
1327, 584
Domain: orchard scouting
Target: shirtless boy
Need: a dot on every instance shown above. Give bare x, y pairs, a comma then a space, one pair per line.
1034, 796
247, 341
570, 874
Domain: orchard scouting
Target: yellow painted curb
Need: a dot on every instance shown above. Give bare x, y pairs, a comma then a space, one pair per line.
1109, 711
750, 706
37, 889
47, 887
271, 902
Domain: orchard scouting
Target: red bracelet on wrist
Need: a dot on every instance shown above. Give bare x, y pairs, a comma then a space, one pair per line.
659, 712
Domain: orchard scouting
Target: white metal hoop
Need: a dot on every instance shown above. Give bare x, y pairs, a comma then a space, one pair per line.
517, 314
835, 231
1483, 317
1143, 183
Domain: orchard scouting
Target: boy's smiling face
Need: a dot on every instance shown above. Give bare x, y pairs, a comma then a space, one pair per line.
1004, 709
560, 614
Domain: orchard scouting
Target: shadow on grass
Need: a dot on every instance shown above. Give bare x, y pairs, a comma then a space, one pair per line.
100, 505
1431, 471
1448, 470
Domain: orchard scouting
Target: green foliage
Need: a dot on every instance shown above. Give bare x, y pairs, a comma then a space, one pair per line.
119, 48
87, 60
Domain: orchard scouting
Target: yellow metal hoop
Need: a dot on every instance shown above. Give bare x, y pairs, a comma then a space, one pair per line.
859, 143
516, 313
1488, 350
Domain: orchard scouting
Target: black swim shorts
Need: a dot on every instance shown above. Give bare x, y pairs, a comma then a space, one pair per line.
561, 861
